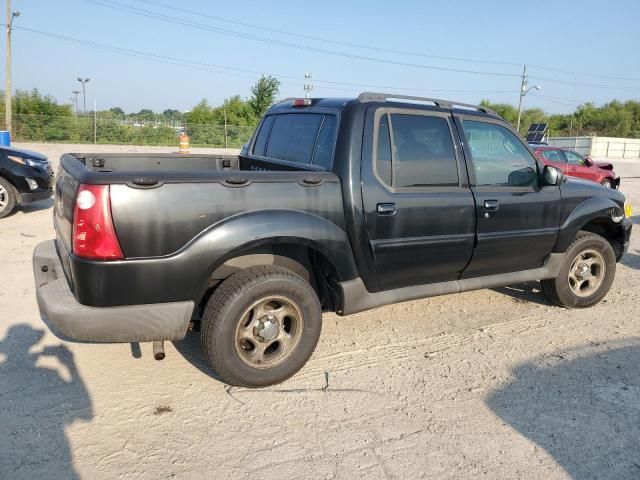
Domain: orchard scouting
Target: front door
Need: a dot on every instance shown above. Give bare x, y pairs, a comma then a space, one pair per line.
518, 219
419, 209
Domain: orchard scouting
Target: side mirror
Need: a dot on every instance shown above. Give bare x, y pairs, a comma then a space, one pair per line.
588, 162
551, 175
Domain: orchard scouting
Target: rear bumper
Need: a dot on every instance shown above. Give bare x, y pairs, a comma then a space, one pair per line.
71, 320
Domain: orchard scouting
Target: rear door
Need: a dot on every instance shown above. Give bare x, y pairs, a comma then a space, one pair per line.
517, 218
419, 210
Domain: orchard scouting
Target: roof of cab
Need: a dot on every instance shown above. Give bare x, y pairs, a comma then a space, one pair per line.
369, 97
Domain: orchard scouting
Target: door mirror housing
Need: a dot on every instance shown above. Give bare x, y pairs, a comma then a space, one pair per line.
551, 176
588, 162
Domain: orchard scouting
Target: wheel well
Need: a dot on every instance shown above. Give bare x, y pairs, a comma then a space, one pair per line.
309, 263
607, 229
15, 188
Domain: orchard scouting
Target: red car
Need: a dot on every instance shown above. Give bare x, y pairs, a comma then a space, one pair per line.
575, 165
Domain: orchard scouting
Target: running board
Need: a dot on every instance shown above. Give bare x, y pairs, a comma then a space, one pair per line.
356, 298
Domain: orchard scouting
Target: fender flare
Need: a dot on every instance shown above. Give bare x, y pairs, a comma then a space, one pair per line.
597, 208
242, 233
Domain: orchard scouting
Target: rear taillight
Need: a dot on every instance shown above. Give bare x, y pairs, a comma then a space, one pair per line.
94, 235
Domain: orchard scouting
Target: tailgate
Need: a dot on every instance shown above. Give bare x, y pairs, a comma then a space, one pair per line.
65, 197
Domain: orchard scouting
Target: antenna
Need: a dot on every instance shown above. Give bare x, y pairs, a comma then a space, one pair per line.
308, 87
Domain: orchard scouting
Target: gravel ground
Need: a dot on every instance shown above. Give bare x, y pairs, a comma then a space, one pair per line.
489, 384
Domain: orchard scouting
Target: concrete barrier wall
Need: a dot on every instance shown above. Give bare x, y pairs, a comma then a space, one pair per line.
601, 147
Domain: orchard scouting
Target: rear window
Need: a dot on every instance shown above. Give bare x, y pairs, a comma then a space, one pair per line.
307, 138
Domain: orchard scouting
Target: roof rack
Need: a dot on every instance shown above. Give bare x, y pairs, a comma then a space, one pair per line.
383, 97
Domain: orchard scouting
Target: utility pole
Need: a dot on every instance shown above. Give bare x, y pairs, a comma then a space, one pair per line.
308, 87
523, 87
10, 16
84, 93
76, 93
226, 143
523, 91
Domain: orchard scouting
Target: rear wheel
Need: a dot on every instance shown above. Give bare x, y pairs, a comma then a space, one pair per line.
607, 182
260, 326
7, 198
586, 274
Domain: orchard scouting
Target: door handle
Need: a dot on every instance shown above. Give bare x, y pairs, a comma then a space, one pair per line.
491, 205
386, 208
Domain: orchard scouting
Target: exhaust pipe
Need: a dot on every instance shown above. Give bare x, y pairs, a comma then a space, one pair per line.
158, 350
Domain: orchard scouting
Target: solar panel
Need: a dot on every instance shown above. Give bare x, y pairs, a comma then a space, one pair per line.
538, 127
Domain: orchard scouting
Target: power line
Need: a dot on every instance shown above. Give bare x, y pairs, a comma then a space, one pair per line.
583, 74
553, 100
180, 21
326, 40
165, 59
583, 84
380, 49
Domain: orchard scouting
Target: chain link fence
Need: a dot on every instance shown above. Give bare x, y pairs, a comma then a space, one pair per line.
87, 129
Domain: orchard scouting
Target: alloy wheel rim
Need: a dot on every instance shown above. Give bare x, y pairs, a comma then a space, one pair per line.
586, 273
269, 331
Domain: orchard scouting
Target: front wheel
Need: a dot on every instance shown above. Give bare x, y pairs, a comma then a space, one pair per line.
7, 198
260, 326
586, 275
607, 182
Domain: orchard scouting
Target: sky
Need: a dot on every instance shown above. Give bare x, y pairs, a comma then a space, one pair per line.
141, 54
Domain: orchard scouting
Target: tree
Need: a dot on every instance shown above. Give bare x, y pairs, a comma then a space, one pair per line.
117, 111
263, 95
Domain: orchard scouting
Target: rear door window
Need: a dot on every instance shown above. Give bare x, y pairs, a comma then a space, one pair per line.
415, 151
424, 153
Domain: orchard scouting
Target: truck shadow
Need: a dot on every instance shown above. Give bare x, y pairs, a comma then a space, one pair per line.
36, 406
189, 348
581, 406
525, 293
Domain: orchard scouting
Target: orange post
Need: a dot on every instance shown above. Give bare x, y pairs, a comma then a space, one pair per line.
184, 143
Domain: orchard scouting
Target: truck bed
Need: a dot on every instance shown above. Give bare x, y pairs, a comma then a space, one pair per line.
162, 205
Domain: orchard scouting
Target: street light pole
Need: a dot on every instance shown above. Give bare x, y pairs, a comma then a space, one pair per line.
84, 93
10, 16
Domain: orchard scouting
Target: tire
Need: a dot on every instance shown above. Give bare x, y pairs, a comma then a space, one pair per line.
607, 182
238, 336
7, 198
592, 263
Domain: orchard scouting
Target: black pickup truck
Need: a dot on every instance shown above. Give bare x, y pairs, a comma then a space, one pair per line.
335, 205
